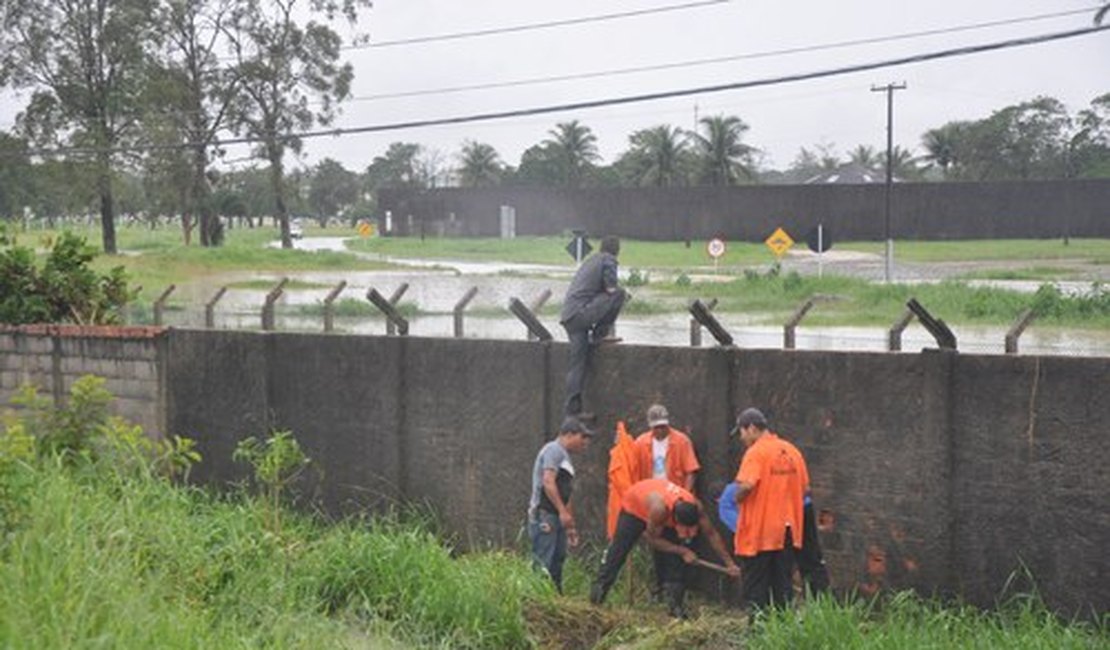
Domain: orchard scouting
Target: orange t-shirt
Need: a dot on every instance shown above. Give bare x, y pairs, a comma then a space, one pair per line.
681, 460
776, 470
635, 501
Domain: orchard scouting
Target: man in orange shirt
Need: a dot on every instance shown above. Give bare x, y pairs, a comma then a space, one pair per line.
664, 514
666, 453
771, 487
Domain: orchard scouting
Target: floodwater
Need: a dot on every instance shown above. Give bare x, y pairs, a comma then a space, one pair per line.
435, 286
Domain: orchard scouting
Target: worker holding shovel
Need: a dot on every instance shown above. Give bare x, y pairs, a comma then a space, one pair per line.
666, 516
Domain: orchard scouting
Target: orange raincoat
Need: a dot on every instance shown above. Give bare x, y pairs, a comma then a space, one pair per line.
624, 470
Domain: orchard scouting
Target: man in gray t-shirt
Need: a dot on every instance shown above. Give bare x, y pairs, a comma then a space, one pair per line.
551, 524
590, 309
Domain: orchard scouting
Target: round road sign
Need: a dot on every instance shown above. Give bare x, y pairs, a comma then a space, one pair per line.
715, 247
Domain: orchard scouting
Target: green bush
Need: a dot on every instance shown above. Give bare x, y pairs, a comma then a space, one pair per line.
64, 289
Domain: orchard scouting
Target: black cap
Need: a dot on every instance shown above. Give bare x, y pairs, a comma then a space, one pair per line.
748, 417
572, 424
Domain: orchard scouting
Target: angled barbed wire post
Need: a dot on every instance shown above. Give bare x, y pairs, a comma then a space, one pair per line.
791, 325
210, 308
701, 313
394, 298
160, 303
695, 326
395, 323
1017, 329
329, 305
537, 303
944, 337
460, 306
268, 307
536, 330
894, 335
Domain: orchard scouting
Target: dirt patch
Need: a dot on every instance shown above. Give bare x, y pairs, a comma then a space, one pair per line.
566, 624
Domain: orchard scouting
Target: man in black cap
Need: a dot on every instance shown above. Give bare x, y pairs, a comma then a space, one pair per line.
551, 524
590, 308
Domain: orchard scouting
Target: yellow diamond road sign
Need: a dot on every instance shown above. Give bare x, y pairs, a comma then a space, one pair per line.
779, 242
365, 229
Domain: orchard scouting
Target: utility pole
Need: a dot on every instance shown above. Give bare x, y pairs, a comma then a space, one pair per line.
889, 90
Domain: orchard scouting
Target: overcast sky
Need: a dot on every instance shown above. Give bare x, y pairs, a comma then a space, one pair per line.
840, 111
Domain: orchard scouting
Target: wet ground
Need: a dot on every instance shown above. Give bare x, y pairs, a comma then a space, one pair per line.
435, 286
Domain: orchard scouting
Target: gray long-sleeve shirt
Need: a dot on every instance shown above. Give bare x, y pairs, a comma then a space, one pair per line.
598, 274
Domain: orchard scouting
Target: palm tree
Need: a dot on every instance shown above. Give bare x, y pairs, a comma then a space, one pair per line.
479, 165
723, 157
574, 147
658, 157
943, 144
864, 156
904, 163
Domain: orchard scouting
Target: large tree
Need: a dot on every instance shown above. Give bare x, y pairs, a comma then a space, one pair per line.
657, 157
943, 146
193, 93
398, 167
723, 157
572, 147
290, 77
865, 156
86, 62
15, 176
479, 165
331, 190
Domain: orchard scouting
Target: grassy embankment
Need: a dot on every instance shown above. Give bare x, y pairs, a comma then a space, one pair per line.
100, 546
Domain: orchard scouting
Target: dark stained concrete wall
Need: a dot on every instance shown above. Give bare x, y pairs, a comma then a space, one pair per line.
924, 466
1000, 210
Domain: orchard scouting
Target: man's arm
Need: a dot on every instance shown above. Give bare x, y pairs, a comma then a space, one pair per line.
716, 542
566, 515
742, 491
609, 275
691, 479
657, 518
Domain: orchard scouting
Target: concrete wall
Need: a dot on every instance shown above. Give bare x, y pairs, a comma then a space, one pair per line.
938, 471
1043, 209
52, 357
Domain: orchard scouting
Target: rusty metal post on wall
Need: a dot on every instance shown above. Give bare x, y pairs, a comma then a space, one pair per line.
536, 305
160, 303
1017, 329
695, 326
701, 313
268, 307
394, 298
792, 324
329, 305
536, 330
210, 308
395, 323
944, 337
460, 306
894, 336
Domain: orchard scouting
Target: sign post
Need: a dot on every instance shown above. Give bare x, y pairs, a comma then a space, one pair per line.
579, 247
819, 240
716, 248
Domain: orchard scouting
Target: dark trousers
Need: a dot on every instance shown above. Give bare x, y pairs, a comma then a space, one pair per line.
591, 323
671, 568
811, 563
767, 577
549, 545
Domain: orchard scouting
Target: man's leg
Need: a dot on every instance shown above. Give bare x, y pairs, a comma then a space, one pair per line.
756, 577
782, 573
576, 366
545, 531
674, 577
811, 563
601, 312
559, 557
629, 529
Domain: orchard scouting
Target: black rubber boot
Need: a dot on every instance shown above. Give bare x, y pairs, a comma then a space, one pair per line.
675, 594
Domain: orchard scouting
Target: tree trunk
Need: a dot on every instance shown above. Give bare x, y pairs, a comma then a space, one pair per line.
202, 203
107, 209
277, 185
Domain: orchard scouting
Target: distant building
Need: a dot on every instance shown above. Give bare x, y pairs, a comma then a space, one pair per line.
849, 174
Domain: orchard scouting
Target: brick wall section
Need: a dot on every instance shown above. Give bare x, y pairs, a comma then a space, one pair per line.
53, 357
999, 210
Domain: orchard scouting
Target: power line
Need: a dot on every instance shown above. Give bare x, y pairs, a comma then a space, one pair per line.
723, 59
630, 99
534, 26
